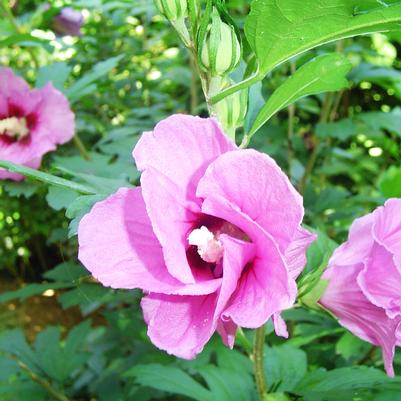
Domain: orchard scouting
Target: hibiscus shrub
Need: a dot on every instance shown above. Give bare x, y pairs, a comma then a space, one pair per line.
200, 200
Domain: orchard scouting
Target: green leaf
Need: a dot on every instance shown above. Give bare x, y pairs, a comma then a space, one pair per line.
280, 29
285, 366
26, 40
228, 384
323, 73
66, 272
171, 380
46, 178
87, 84
343, 383
60, 198
31, 289
18, 189
57, 73
390, 182
351, 347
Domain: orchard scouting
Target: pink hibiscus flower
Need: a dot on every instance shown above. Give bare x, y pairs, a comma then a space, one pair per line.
32, 122
213, 236
364, 275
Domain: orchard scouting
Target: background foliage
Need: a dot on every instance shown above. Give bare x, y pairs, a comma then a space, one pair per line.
63, 336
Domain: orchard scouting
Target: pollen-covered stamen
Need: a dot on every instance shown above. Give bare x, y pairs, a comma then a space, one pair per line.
14, 127
210, 249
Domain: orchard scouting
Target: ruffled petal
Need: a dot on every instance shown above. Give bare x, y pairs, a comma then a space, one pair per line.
360, 241
11, 84
181, 147
180, 325
173, 158
295, 254
55, 119
173, 217
265, 286
256, 185
380, 281
345, 299
118, 246
387, 228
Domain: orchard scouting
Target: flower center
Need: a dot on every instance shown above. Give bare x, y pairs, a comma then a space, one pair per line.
210, 249
14, 127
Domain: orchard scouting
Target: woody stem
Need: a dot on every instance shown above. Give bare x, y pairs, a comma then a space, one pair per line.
258, 363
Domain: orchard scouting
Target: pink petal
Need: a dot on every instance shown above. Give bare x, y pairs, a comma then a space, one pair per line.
227, 330
380, 281
173, 217
11, 83
358, 245
180, 325
55, 118
181, 147
387, 228
280, 327
295, 254
265, 287
345, 299
118, 246
256, 185
174, 157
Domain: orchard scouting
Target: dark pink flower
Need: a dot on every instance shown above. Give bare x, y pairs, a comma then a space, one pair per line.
364, 275
68, 22
32, 122
213, 236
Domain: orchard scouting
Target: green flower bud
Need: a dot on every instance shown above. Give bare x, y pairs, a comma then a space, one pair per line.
220, 51
172, 9
231, 111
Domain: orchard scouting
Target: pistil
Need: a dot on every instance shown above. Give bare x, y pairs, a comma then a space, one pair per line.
14, 127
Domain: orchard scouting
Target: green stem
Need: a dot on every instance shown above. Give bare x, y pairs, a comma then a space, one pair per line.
81, 147
258, 362
194, 84
43, 383
324, 116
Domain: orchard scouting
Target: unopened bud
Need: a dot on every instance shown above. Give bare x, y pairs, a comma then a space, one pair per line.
231, 111
220, 50
68, 22
172, 9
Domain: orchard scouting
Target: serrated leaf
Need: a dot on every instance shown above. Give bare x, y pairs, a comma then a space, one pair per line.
343, 383
171, 380
285, 366
56, 73
30, 290
66, 272
322, 74
60, 198
278, 30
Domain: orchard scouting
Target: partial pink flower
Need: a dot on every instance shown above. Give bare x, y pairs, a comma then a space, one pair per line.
213, 236
364, 275
32, 122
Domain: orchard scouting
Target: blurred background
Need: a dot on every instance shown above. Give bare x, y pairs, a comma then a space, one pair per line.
63, 336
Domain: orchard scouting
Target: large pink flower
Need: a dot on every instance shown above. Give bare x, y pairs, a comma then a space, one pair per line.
364, 275
32, 122
213, 236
